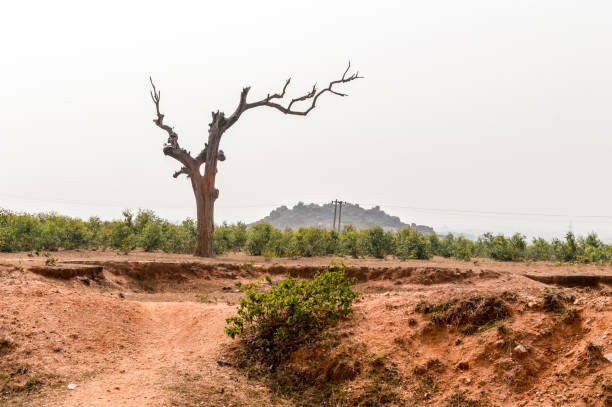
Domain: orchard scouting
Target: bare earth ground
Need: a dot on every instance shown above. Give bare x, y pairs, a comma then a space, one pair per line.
149, 332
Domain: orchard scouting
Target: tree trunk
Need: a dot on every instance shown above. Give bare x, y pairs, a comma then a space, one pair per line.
204, 191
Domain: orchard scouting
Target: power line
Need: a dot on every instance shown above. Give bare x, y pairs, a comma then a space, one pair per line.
121, 205
476, 212
267, 205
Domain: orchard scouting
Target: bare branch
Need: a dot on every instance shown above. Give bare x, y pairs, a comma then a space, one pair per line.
183, 170
241, 107
172, 147
282, 95
313, 95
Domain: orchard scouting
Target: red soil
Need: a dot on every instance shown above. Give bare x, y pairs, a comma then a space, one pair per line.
150, 332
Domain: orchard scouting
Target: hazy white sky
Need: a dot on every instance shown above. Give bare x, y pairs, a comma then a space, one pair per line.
495, 106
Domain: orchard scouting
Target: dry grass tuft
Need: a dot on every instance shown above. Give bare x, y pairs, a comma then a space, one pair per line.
459, 399
466, 314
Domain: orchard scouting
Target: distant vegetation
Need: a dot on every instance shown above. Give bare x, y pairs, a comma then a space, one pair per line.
50, 232
321, 216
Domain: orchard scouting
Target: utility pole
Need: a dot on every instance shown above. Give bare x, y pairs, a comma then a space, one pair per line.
340, 216
335, 208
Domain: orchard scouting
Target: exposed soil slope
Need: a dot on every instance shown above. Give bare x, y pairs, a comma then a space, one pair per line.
149, 332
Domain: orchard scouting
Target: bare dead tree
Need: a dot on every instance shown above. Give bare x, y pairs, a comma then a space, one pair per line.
204, 185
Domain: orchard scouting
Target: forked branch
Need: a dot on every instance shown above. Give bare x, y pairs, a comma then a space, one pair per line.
172, 147
313, 95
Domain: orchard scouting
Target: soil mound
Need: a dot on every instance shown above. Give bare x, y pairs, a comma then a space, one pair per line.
466, 314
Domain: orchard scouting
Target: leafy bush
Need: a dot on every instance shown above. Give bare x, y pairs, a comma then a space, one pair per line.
508, 249
540, 249
462, 249
501, 248
434, 243
445, 246
180, 239
230, 238
274, 322
281, 245
459, 248
411, 244
122, 238
310, 242
259, 236
351, 241
151, 237
378, 243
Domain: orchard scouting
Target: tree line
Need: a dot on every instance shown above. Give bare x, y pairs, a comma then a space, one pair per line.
146, 230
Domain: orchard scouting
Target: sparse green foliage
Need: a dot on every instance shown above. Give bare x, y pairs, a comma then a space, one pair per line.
275, 321
49, 261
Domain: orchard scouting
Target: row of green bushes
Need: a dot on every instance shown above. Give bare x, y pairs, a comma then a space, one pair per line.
263, 239
48, 231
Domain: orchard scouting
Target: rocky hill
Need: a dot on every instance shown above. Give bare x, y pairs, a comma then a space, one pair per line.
322, 216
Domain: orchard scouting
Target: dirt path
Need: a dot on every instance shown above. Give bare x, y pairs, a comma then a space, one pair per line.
178, 337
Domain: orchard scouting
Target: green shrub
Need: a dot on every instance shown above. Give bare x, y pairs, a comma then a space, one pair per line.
239, 236
501, 248
311, 241
540, 249
379, 243
462, 248
94, 233
568, 252
223, 238
49, 237
445, 246
259, 236
280, 245
275, 321
151, 237
351, 241
122, 238
459, 248
230, 238
180, 239
411, 244
434, 243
